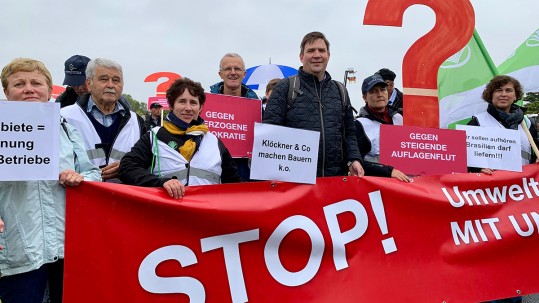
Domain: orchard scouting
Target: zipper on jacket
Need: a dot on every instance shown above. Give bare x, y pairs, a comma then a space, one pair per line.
323, 133
188, 173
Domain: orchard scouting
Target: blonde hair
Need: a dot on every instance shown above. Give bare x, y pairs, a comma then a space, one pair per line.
25, 65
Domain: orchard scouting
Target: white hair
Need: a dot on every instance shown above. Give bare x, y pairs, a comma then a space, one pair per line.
93, 64
231, 55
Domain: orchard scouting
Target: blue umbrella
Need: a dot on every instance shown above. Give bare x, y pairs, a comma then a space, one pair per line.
257, 77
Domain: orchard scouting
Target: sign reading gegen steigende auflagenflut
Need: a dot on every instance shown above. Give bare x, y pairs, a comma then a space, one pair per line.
29, 140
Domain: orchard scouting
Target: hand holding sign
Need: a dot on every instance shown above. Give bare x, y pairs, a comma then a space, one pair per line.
285, 154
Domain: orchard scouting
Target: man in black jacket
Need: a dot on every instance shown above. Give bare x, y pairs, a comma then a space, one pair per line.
318, 107
75, 79
153, 119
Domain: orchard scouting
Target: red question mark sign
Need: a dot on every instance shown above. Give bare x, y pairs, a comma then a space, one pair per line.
455, 21
162, 88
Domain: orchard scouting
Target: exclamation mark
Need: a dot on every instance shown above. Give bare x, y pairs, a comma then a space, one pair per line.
380, 214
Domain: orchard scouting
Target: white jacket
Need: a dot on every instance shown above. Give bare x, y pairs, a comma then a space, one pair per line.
34, 211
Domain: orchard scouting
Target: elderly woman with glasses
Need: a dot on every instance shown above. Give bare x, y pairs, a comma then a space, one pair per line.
32, 213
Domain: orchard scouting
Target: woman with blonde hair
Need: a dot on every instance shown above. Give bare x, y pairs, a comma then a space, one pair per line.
32, 213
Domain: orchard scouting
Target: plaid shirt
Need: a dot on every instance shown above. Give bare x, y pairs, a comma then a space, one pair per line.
105, 120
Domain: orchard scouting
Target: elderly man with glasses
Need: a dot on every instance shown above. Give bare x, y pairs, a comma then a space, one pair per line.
232, 72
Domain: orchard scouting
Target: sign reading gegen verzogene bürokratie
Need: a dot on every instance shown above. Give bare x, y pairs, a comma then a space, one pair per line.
29, 140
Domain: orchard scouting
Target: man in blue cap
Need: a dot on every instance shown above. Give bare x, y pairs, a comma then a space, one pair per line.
75, 78
375, 113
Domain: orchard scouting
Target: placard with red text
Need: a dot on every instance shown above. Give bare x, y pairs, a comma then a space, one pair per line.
423, 151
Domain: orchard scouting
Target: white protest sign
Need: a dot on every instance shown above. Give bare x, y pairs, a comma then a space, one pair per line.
284, 154
493, 147
29, 140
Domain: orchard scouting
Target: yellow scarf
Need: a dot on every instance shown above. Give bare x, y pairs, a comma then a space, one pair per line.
188, 148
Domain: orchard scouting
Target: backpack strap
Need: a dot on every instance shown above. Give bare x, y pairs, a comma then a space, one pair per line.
345, 104
293, 89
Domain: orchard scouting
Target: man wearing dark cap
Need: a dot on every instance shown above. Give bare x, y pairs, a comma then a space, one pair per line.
375, 113
395, 95
75, 79
153, 119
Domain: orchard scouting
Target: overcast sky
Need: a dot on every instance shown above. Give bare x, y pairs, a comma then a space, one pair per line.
190, 37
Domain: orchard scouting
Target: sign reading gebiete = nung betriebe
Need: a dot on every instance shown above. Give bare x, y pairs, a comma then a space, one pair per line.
29, 140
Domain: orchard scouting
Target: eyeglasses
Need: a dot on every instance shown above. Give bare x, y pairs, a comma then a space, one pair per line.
232, 68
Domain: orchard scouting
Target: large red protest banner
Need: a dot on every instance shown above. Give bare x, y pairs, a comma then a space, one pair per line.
450, 238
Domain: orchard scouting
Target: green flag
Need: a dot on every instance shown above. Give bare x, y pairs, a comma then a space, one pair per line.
461, 80
523, 64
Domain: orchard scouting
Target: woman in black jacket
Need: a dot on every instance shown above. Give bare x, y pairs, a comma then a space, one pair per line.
182, 152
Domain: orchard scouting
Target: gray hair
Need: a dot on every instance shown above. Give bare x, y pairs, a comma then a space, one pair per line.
100, 62
230, 55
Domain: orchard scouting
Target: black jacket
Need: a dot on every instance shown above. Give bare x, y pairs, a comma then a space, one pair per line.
136, 165
83, 103
397, 103
318, 108
67, 97
149, 123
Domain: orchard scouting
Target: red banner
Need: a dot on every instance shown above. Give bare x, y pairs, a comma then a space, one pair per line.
450, 238
232, 119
